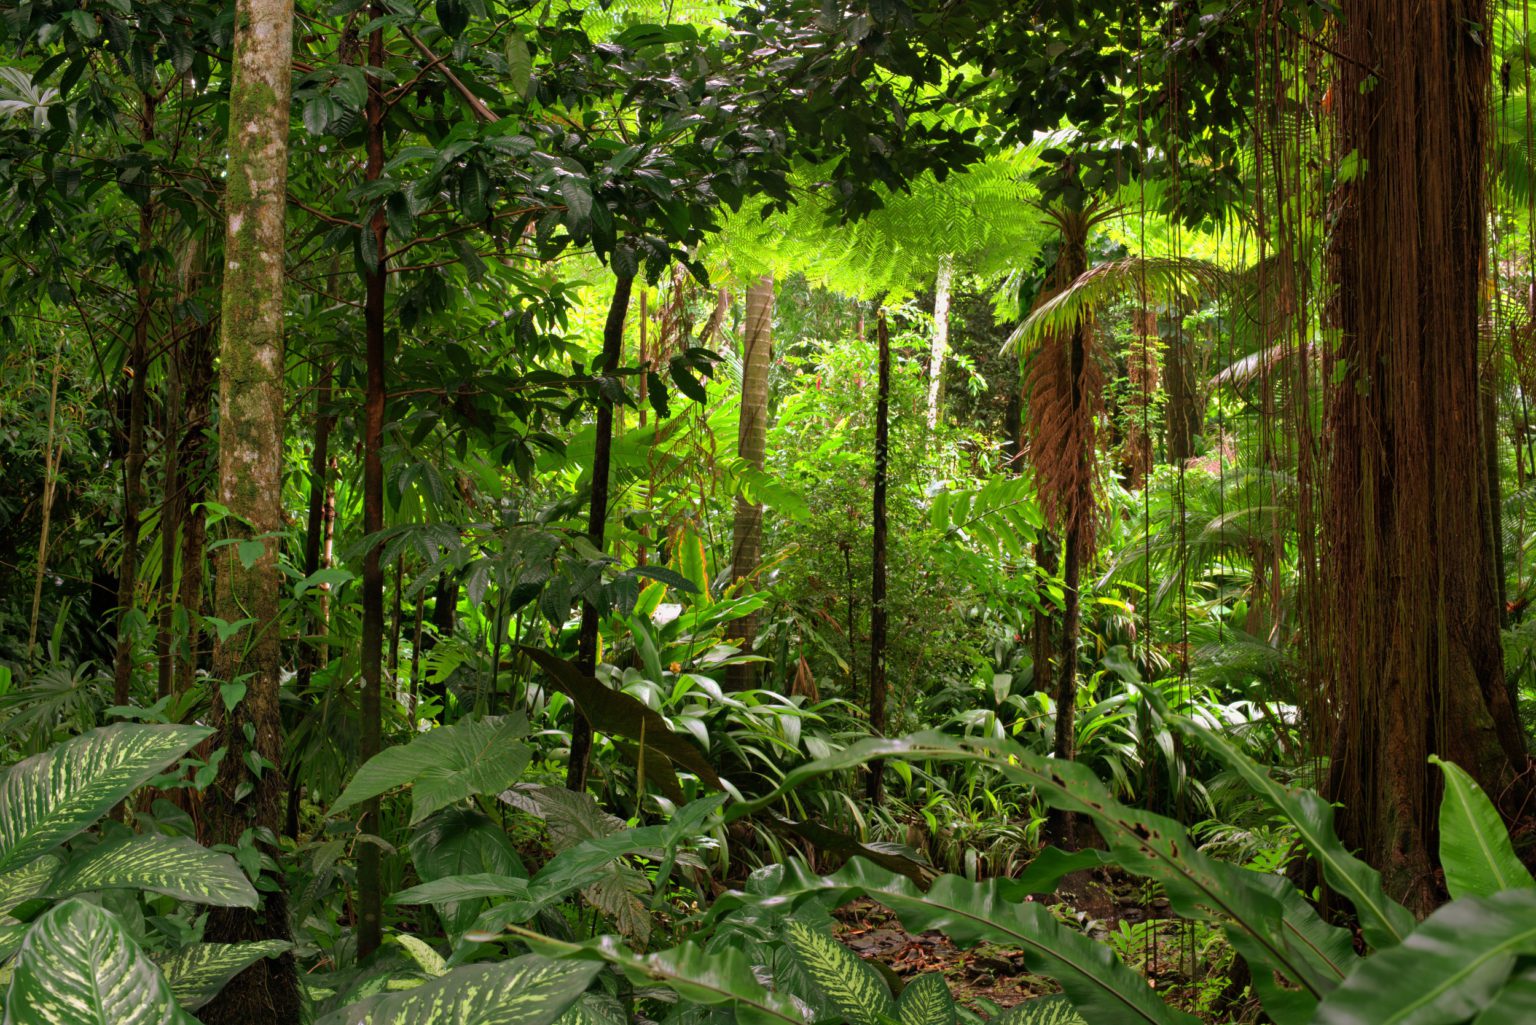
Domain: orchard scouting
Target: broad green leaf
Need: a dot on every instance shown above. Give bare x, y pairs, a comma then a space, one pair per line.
1041, 1011
1107, 992
1475, 851
474, 886
1515, 1004
926, 1001
445, 765
30, 880
460, 841
196, 973
850, 986
1446, 971
177, 866
50, 797
712, 978
1383, 921
529, 990
79, 966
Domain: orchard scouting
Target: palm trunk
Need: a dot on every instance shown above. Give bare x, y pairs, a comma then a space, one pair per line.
250, 486
597, 522
877, 614
752, 447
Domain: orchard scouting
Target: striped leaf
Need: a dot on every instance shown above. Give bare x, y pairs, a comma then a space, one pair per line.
176, 866
926, 1001
50, 797
28, 881
850, 985
79, 966
196, 973
529, 990
1055, 1010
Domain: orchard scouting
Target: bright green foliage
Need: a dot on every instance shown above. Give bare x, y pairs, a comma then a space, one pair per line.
50, 797
527, 990
445, 765
176, 866
79, 966
1041, 1011
197, 972
926, 1001
849, 985
1475, 849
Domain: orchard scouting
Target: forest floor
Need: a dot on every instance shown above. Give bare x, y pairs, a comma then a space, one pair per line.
1109, 906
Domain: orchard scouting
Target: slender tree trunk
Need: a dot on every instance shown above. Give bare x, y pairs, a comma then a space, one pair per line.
196, 460
752, 447
133, 465
50, 478
877, 613
319, 488
172, 506
369, 886
597, 522
941, 287
250, 486
1412, 647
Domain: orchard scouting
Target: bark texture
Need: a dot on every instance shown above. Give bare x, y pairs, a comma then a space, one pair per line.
250, 485
1412, 650
752, 446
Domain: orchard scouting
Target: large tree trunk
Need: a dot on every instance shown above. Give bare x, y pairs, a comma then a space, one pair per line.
941, 286
370, 892
1413, 649
597, 523
752, 446
877, 614
250, 486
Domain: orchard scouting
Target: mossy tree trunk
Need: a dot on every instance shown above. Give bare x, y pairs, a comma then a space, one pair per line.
752, 446
250, 485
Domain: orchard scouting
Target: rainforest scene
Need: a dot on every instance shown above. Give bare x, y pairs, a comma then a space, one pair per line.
780, 512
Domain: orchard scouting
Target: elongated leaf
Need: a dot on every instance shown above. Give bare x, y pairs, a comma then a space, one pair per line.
78, 966
1446, 971
528, 990
473, 886
30, 880
444, 765
176, 866
1104, 990
423, 953
1475, 851
1041, 1011
926, 1001
50, 797
197, 973
1383, 921
616, 713
850, 986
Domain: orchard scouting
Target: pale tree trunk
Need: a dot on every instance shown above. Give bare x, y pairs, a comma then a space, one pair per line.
250, 486
752, 446
51, 457
941, 287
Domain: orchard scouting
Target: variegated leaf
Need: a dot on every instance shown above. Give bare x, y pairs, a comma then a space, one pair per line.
422, 952
196, 973
1057, 1010
30, 880
79, 966
852, 987
926, 1001
594, 1009
176, 866
50, 797
528, 990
